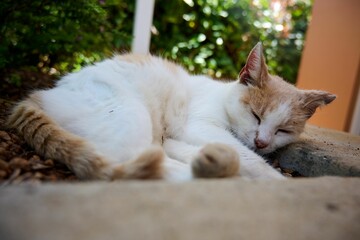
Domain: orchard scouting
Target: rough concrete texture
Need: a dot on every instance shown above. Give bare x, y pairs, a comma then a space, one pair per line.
305, 208
322, 152
318, 208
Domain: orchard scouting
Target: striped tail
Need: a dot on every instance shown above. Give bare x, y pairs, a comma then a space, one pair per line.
51, 141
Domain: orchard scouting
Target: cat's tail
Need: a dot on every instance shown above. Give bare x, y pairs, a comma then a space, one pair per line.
52, 141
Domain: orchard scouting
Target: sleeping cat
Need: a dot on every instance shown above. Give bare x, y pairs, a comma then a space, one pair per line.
143, 117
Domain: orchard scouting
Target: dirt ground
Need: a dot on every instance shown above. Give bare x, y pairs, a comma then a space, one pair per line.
19, 162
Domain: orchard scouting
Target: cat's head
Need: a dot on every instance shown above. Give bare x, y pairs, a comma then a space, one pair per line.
276, 111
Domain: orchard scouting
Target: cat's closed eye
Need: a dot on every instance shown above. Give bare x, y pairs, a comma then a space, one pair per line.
257, 117
283, 131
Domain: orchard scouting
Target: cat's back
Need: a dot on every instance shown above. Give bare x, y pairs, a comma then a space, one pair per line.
123, 76
125, 70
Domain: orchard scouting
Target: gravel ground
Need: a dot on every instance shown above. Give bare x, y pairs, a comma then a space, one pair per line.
19, 162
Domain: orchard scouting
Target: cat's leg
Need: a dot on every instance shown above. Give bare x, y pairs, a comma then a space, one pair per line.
97, 155
210, 161
127, 139
176, 171
181, 150
252, 165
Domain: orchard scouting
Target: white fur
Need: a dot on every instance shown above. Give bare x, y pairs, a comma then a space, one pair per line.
122, 108
269, 126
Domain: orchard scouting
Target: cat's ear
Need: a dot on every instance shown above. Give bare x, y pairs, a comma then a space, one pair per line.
255, 71
312, 99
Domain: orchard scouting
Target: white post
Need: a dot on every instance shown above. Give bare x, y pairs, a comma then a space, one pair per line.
144, 10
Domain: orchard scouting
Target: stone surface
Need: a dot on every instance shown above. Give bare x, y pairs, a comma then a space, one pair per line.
317, 208
322, 152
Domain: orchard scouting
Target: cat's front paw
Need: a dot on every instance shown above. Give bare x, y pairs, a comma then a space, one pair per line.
216, 161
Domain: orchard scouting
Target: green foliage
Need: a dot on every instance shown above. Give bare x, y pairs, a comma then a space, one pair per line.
15, 79
39, 28
214, 37
65, 34
206, 36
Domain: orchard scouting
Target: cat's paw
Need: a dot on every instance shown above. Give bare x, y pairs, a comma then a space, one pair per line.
149, 165
216, 161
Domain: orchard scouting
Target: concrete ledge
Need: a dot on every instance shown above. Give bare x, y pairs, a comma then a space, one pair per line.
318, 208
322, 152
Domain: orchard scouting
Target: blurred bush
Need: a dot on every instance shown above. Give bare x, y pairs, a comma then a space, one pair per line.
206, 36
214, 37
62, 34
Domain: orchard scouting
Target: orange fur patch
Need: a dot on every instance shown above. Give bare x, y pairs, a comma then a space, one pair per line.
274, 92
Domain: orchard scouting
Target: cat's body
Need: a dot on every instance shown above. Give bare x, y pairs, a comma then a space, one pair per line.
109, 120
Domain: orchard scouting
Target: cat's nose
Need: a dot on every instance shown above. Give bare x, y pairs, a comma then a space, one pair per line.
260, 144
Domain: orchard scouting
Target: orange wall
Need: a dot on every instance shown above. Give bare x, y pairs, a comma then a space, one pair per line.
331, 57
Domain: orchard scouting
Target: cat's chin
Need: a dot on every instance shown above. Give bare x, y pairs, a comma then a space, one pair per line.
263, 151
243, 138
